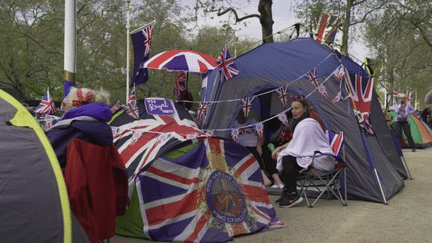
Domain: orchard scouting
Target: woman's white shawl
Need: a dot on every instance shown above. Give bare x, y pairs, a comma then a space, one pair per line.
308, 137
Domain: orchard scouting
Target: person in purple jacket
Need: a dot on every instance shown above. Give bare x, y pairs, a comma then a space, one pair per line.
86, 117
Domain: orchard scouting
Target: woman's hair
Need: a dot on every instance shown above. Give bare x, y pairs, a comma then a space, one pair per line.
82, 96
303, 102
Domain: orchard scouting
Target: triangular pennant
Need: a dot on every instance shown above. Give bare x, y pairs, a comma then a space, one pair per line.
259, 127
235, 134
283, 94
247, 104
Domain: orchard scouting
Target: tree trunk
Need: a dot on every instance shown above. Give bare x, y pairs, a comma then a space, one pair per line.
345, 27
266, 20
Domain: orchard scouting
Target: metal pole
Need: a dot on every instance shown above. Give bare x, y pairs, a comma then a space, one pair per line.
127, 47
69, 46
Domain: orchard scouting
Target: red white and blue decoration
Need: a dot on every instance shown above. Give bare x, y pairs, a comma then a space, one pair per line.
116, 107
46, 106
313, 78
201, 111
218, 197
283, 94
132, 105
141, 41
182, 60
180, 84
226, 66
361, 89
247, 104
259, 127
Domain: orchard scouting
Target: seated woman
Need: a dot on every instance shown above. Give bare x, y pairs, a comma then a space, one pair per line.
296, 155
249, 138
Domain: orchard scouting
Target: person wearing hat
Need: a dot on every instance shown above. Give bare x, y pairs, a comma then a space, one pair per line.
403, 110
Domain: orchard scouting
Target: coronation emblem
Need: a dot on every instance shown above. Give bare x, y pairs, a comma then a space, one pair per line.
225, 199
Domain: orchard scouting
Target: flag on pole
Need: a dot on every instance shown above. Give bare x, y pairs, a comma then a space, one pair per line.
226, 66
141, 41
46, 106
132, 105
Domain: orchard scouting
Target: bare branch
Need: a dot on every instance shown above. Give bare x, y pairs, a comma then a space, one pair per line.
236, 15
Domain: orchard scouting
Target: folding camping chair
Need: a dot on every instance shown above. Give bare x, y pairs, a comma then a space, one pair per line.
329, 182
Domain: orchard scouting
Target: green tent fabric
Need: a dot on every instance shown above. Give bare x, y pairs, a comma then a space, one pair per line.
420, 132
34, 203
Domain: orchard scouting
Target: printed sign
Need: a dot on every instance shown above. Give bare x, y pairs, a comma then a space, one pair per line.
159, 107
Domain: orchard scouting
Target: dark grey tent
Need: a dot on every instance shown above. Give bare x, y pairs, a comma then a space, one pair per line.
34, 205
375, 171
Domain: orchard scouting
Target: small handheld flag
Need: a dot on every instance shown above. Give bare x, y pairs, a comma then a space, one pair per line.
46, 105
132, 105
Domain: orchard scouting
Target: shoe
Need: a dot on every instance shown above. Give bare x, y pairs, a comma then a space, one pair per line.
284, 194
287, 202
276, 186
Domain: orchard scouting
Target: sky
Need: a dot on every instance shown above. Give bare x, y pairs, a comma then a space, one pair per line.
283, 16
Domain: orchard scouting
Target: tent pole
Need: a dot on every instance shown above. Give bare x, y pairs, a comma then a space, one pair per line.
380, 186
406, 166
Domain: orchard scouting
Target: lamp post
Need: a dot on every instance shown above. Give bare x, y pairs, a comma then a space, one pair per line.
69, 46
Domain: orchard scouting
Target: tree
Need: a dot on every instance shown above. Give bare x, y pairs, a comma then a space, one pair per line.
402, 48
355, 12
223, 7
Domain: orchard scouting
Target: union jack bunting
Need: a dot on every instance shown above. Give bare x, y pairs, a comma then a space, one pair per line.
147, 32
325, 27
46, 106
132, 105
217, 197
283, 94
201, 111
180, 83
361, 95
226, 66
259, 127
313, 79
209, 133
283, 118
340, 73
115, 107
235, 132
247, 104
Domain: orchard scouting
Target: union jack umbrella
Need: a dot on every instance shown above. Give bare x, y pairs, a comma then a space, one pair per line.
361, 95
180, 83
46, 105
132, 105
182, 60
226, 66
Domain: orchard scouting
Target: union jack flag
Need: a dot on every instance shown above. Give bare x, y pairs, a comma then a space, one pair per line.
283, 94
115, 107
201, 111
138, 142
46, 106
226, 65
361, 95
336, 142
147, 32
217, 197
180, 83
247, 104
132, 105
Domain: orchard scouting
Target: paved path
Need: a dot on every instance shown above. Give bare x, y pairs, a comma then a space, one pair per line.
406, 218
